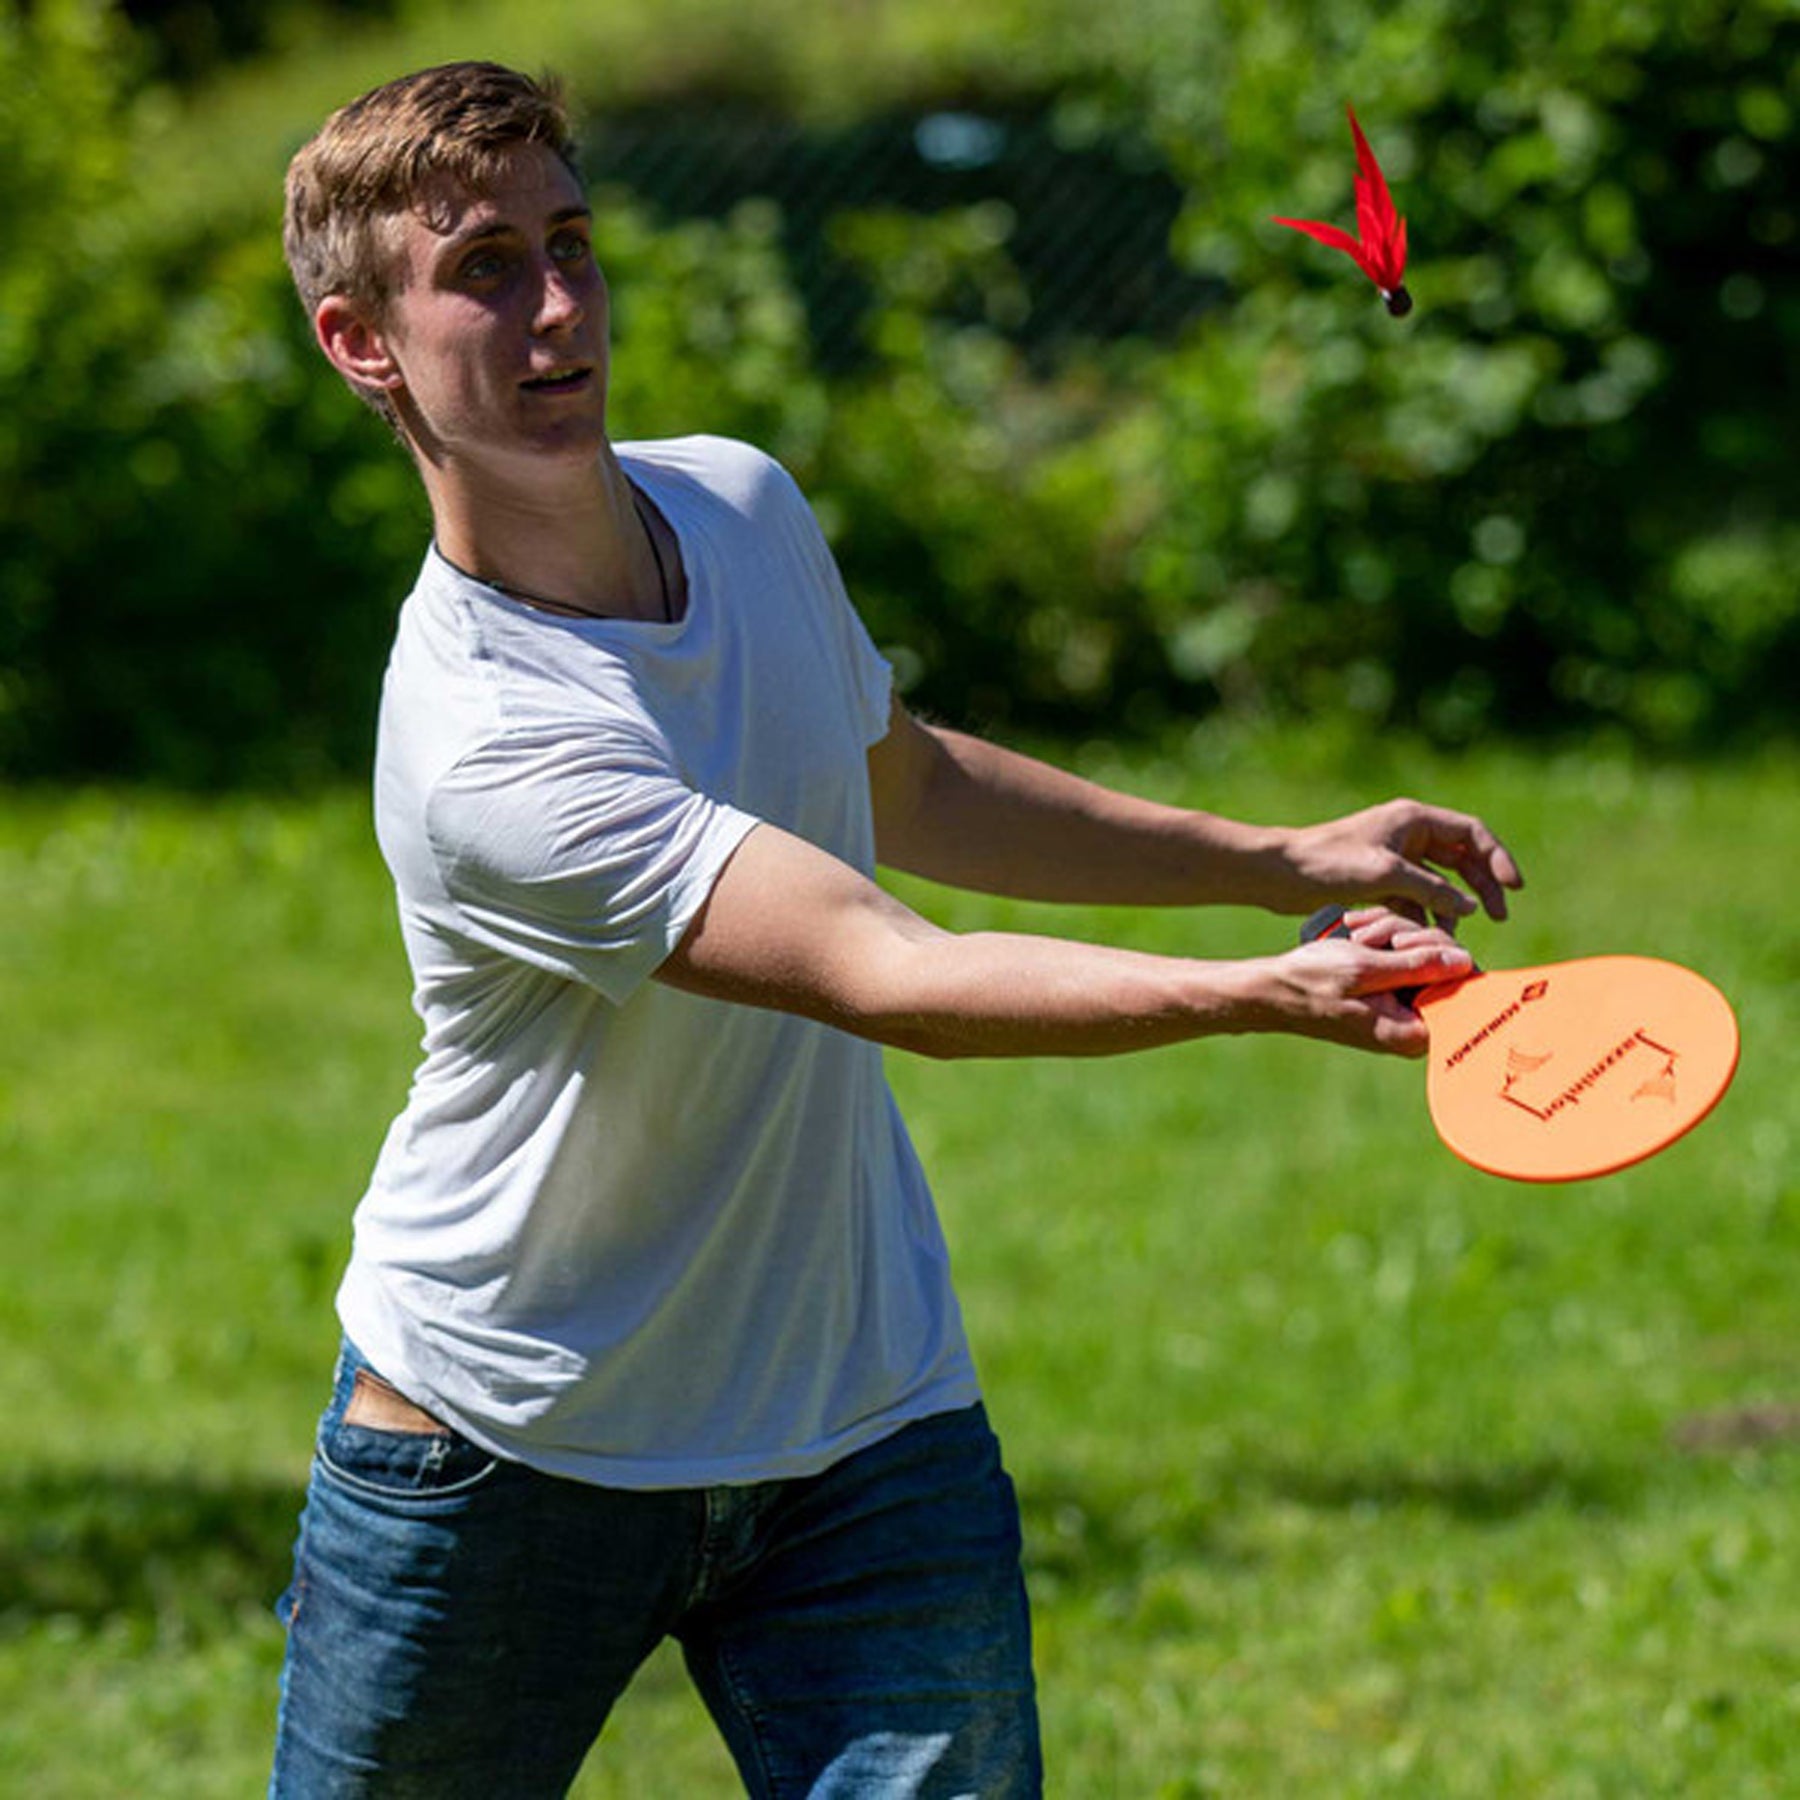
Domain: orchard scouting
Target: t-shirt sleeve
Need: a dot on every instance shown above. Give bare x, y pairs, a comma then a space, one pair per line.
579, 850
869, 675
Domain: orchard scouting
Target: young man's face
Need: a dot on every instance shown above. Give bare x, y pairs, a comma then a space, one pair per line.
498, 323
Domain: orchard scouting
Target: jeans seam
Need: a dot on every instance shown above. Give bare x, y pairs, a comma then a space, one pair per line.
754, 1723
290, 1623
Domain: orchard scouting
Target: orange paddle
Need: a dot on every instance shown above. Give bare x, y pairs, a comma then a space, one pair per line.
1572, 1069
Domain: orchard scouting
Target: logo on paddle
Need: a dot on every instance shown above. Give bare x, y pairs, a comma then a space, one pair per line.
1659, 1084
1534, 990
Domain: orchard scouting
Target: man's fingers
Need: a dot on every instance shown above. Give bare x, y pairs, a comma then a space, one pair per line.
1418, 965
1398, 1029
1419, 893
1396, 955
1420, 886
1468, 847
1483, 879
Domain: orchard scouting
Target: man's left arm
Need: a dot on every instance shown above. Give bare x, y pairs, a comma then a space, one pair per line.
968, 813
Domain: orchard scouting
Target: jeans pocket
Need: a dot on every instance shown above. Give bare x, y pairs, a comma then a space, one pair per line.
403, 1465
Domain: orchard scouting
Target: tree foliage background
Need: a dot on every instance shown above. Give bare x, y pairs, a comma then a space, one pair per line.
1558, 498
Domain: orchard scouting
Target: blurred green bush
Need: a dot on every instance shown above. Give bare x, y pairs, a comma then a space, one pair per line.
1562, 491
1559, 495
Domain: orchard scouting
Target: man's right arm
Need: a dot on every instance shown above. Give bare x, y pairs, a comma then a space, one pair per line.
788, 926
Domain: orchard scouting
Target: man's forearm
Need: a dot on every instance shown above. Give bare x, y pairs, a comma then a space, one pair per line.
979, 816
1003, 994
959, 810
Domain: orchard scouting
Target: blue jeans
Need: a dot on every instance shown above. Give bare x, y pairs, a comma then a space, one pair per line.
460, 1626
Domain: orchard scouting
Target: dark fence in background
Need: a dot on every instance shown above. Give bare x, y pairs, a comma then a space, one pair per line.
1086, 222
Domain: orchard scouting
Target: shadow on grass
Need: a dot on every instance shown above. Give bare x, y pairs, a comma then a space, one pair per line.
1082, 1530
105, 1546
1086, 1532
1469, 1494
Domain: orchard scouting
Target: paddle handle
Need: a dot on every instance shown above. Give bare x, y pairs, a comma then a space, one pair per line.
1328, 922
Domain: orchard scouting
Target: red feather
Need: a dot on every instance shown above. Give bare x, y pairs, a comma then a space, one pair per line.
1379, 249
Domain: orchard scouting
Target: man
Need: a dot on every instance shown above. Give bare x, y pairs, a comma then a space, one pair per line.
648, 1325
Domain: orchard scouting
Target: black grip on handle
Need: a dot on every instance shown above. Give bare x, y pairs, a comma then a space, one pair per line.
1328, 922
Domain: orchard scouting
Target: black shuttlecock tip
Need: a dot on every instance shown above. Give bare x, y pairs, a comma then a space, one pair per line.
1399, 302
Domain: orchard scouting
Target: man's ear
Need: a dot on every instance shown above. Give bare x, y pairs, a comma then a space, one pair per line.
355, 347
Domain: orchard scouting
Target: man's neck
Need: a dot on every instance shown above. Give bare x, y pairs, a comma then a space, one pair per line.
569, 538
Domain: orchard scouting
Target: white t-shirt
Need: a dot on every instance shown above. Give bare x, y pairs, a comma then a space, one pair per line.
621, 1233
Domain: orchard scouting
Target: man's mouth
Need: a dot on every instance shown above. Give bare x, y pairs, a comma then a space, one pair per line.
557, 381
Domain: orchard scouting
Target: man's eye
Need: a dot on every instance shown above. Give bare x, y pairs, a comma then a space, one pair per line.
483, 266
569, 247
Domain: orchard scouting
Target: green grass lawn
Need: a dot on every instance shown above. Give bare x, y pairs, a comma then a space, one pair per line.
1346, 1470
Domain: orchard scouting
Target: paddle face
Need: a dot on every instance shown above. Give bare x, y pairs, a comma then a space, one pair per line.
1570, 1070
1575, 1069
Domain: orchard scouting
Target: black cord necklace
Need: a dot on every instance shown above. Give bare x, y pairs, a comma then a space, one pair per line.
562, 607
662, 574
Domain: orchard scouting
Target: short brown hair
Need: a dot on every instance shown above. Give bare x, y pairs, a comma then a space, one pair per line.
376, 157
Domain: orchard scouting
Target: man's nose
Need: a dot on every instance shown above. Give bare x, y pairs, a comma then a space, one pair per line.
559, 304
